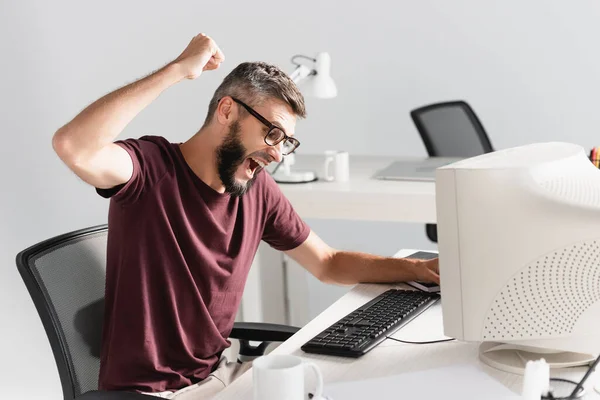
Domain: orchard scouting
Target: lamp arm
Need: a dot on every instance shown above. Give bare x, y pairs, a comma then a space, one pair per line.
300, 73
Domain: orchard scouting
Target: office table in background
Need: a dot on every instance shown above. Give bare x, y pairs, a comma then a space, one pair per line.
389, 358
362, 198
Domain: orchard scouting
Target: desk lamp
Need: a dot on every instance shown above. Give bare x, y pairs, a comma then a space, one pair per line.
314, 81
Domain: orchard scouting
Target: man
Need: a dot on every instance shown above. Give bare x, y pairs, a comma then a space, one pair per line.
185, 222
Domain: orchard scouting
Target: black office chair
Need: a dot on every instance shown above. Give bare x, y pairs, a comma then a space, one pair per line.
450, 129
65, 277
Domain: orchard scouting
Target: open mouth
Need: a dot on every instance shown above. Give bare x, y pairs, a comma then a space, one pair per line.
253, 165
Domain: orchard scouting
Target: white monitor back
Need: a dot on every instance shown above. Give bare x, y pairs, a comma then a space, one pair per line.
519, 244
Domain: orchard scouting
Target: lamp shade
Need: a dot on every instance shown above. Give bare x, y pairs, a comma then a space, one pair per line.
319, 84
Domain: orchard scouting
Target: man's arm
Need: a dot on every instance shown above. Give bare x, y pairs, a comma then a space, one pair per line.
86, 143
346, 268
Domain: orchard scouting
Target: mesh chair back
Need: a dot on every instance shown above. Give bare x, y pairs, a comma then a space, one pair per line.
451, 129
65, 277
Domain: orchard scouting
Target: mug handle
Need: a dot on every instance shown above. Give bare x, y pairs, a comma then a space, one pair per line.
319, 390
328, 161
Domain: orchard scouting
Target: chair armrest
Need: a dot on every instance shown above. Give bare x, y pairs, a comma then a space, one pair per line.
113, 395
262, 332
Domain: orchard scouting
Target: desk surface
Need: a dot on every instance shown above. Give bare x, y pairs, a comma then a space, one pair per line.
389, 357
363, 197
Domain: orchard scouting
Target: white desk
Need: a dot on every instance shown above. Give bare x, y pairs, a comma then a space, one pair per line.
362, 198
389, 357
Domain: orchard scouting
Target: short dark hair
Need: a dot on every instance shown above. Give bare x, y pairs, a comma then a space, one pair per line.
255, 82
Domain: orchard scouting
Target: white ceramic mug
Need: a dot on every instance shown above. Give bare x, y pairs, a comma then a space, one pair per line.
341, 166
281, 377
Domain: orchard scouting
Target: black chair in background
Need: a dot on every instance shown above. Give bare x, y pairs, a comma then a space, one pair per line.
450, 129
65, 277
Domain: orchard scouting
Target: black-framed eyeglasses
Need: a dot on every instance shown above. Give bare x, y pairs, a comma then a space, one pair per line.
275, 135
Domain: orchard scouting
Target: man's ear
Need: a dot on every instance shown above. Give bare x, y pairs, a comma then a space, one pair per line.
226, 111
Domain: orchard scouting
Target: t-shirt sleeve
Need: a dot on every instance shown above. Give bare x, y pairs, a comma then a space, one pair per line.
284, 229
148, 168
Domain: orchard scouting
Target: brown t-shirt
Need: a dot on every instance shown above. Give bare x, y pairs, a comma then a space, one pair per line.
178, 258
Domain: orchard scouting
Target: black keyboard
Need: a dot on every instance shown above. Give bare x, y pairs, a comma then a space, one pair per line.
369, 325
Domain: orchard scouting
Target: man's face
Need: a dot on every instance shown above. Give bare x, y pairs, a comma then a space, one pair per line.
243, 154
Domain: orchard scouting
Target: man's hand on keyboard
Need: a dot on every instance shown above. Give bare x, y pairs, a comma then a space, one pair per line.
428, 270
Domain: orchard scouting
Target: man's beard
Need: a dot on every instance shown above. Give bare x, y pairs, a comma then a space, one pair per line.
230, 155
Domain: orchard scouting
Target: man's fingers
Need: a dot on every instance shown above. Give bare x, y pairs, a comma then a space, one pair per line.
435, 265
211, 64
210, 67
433, 277
436, 270
216, 59
218, 55
433, 268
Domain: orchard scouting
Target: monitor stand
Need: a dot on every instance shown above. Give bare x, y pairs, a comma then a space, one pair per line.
513, 358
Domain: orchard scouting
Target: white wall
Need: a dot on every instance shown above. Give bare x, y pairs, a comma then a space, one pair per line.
529, 68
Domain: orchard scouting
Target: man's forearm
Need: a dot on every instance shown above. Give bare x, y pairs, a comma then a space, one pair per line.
102, 121
349, 268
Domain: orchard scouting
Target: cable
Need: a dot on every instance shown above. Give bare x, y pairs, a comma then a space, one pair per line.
571, 396
578, 385
430, 342
277, 167
587, 374
563, 380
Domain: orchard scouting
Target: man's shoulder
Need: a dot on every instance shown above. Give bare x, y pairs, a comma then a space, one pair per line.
156, 140
152, 146
153, 154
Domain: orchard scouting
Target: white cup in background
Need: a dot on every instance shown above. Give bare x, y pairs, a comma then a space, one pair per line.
281, 377
341, 166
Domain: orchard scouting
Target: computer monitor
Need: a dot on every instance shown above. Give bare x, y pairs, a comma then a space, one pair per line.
519, 246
